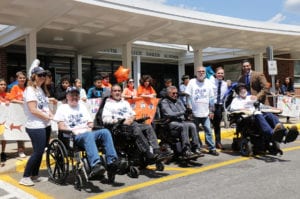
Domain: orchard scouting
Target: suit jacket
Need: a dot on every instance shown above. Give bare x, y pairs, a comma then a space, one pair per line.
257, 84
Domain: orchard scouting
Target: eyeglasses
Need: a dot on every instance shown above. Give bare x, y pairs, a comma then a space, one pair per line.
246, 65
116, 90
201, 71
42, 75
175, 93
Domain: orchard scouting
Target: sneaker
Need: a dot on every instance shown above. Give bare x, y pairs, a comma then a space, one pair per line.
198, 152
39, 179
26, 181
278, 134
22, 155
213, 152
188, 154
291, 135
3, 157
98, 169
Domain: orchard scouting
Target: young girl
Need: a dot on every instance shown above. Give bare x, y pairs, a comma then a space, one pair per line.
145, 89
78, 85
16, 96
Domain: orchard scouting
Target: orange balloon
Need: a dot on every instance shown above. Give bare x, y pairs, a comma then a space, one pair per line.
122, 74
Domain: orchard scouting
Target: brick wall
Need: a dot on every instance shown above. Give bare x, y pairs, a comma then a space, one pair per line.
3, 63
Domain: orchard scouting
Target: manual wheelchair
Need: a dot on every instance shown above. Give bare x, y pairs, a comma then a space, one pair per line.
62, 153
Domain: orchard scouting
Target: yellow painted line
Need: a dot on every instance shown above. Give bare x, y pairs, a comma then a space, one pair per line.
168, 178
29, 190
175, 176
171, 168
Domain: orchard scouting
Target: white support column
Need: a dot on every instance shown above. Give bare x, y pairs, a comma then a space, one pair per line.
136, 70
126, 55
198, 57
258, 62
31, 51
79, 66
181, 67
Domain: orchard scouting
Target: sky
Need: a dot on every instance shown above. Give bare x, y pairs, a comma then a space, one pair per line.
277, 11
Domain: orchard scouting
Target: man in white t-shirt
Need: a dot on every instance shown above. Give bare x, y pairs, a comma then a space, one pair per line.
201, 100
74, 116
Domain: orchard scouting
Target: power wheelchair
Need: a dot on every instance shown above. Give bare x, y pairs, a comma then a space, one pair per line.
62, 153
132, 161
171, 138
249, 139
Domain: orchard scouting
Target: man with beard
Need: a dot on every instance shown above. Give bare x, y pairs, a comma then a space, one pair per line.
201, 100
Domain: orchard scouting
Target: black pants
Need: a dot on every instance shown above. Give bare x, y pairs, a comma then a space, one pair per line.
217, 122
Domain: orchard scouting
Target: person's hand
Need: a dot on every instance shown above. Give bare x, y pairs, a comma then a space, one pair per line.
253, 97
211, 116
128, 121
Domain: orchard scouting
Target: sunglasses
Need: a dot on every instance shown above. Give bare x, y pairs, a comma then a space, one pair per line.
42, 75
116, 90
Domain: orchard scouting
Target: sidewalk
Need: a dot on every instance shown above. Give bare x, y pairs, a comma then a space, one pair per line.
14, 163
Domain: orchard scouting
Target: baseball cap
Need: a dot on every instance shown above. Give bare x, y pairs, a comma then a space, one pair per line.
72, 89
38, 70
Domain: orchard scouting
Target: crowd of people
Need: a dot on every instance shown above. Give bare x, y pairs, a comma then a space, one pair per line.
203, 97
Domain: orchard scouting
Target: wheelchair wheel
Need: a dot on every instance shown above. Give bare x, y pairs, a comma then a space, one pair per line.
235, 144
246, 147
111, 177
57, 161
134, 172
159, 166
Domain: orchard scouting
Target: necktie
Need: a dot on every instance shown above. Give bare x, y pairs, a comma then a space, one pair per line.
248, 82
219, 92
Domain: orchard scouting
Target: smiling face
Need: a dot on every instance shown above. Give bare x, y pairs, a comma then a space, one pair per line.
73, 98
116, 92
246, 67
2, 86
21, 79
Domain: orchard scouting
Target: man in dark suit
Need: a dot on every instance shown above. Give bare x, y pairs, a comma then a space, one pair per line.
255, 81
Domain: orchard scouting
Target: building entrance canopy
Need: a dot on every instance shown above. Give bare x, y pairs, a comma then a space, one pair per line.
88, 26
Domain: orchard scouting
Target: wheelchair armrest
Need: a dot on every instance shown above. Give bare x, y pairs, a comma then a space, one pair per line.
142, 120
68, 132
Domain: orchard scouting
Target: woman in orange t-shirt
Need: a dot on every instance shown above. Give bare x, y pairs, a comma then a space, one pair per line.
145, 89
3, 99
129, 92
16, 96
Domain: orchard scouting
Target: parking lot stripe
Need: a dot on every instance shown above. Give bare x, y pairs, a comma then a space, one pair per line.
168, 178
188, 172
29, 190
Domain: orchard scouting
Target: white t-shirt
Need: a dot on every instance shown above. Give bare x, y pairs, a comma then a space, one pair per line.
201, 95
75, 118
223, 89
42, 102
114, 110
239, 103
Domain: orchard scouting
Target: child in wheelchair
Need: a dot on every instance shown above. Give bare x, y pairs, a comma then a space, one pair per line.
74, 117
251, 117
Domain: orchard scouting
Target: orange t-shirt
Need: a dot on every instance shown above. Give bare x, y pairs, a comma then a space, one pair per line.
127, 92
145, 91
16, 93
3, 97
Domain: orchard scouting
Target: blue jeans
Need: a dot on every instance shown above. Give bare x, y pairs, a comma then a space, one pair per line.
89, 141
205, 122
39, 139
266, 122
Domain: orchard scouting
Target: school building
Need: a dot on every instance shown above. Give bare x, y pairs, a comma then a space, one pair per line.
80, 38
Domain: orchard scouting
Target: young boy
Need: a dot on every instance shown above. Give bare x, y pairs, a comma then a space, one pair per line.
97, 90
